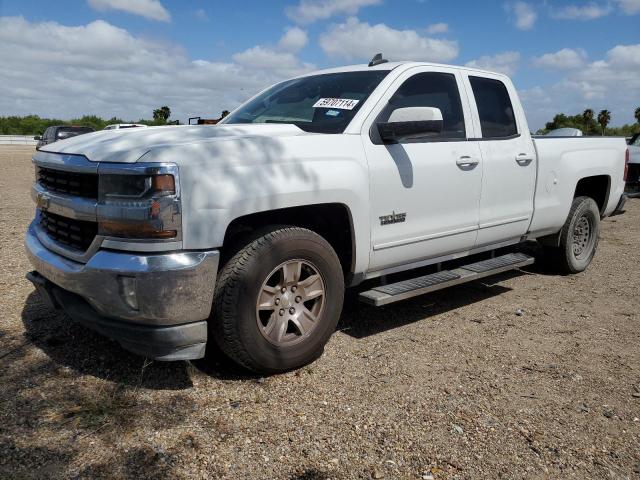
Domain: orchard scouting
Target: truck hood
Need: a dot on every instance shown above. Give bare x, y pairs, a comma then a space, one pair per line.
130, 145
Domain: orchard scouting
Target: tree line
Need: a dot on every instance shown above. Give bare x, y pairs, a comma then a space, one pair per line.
592, 124
35, 125
588, 122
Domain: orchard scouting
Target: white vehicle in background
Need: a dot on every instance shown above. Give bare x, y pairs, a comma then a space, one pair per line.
564, 132
118, 126
246, 233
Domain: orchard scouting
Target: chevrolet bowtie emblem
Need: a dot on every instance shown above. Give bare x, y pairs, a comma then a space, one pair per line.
42, 201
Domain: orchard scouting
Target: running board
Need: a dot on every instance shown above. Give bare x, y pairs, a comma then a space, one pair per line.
395, 292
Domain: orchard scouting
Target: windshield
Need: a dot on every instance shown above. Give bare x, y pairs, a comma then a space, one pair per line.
319, 103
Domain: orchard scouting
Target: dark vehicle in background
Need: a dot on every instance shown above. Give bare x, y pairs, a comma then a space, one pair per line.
61, 132
633, 177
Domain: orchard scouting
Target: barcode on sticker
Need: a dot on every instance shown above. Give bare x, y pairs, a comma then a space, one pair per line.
341, 103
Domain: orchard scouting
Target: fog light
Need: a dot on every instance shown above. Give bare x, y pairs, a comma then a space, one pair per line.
128, 291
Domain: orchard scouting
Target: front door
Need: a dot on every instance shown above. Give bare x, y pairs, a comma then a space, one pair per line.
425, 192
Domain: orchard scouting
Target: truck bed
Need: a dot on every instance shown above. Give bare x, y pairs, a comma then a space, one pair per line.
562, 160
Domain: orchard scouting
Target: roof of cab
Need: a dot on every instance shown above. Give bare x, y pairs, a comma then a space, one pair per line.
394, 65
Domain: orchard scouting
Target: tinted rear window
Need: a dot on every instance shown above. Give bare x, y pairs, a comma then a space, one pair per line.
494, 108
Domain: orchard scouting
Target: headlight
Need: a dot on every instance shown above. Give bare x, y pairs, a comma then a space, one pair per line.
139, 202
136, 186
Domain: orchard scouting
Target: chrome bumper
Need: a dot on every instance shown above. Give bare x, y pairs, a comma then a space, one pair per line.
167, 288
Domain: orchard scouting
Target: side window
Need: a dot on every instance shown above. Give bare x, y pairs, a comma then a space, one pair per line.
494, 108
48, 133
439, 90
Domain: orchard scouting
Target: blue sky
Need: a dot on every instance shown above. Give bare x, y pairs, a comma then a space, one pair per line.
123, 57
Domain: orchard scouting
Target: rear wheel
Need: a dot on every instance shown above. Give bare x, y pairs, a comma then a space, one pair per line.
578, 237
278, 300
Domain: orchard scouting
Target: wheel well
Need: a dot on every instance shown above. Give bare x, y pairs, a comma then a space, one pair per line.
332, 221
595, 187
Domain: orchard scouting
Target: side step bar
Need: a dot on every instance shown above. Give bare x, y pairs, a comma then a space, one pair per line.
395, 292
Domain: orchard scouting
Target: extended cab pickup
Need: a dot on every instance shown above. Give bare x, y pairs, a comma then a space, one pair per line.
246, 233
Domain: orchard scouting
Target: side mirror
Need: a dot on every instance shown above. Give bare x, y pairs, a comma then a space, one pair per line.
410, 123
37, 137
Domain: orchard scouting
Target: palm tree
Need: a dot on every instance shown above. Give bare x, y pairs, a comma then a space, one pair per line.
604, 117
587, 117
162, 113
637, 114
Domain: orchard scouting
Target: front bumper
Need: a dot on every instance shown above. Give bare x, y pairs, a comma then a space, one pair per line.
153, 304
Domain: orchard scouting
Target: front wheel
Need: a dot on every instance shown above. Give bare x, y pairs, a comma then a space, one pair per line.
278, 300
578, 237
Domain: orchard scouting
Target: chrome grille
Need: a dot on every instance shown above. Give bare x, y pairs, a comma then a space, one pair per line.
68, 183
76, 234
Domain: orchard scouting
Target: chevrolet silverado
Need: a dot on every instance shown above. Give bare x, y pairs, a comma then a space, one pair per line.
247, 233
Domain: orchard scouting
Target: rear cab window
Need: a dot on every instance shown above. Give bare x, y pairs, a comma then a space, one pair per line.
495, 110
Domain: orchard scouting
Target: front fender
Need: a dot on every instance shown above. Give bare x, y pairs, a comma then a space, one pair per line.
224, 180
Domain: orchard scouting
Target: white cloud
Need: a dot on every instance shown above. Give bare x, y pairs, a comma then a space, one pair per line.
105, 70
151, 9
608, 83
359, 40
625, 56
286, 64
523, 15
629, 7
565, 59
202, 15
506, 62
309, 11
293, 40
437, 28
589, 11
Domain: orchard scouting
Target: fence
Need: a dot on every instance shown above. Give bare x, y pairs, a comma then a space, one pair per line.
17, 140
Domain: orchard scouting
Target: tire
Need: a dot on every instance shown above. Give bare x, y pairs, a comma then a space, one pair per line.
248, 322
578, 237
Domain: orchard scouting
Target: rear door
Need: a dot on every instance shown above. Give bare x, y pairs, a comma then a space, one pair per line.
508, 160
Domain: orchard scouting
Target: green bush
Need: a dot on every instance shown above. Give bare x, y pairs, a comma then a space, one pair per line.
34, 125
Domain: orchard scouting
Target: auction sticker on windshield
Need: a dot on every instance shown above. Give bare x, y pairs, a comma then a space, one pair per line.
341, 103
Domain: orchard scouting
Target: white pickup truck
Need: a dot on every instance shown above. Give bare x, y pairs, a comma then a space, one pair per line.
246, 233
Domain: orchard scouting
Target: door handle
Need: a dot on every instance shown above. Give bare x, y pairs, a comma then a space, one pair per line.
467, 163
524, 159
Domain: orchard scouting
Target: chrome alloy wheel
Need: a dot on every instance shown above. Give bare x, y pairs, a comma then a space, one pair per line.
582, 237
290, 302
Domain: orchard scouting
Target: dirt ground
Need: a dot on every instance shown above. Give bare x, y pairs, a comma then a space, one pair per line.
449, 385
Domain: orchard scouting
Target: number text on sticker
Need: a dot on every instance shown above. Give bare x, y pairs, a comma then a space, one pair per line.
341, 103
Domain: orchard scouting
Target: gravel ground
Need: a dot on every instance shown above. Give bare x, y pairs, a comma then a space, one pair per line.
448, 385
